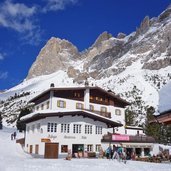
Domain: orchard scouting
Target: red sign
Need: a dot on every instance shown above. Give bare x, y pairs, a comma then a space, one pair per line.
120, 137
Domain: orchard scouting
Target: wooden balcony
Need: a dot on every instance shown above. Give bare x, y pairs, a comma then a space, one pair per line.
105, 114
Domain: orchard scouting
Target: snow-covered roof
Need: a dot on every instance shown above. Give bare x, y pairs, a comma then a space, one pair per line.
65, 112
165, 98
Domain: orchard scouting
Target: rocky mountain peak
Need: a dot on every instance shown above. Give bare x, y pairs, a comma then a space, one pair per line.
102, 37
165, 14
144, 26
55, 55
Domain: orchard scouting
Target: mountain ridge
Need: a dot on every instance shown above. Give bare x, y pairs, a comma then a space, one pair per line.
135, 66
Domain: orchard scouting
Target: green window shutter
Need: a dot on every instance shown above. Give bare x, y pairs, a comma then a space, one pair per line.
64, 104
58, 103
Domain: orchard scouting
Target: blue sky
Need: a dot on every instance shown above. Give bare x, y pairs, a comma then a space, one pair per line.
26, 25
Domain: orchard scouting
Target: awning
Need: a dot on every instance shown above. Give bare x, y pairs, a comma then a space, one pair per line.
137, 145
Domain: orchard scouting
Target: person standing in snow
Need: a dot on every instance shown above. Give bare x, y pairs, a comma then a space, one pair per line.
14, 135
115, 153
108, 152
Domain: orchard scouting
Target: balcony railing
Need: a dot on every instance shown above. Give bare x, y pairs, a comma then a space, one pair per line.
132, 138
105, 114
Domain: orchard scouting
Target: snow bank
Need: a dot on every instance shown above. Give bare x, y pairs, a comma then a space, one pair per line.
12, 158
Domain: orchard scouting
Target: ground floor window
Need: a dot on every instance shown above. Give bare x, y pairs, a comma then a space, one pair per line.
64, 148
98, 146
36, 149
89, 147
31, 149
146, 151
138, 152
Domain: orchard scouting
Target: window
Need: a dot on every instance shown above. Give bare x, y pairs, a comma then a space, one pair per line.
91, 107
79, 106
103, 109
64, 148
98, 129
76, 94
42, 106
88, 129
117, 112
38, 127
138, 133
61, 104
77, 128
65, 128
91, 97
52, 127
37, 108
36, 149
98, 146
47, 105
106, 100
97, 98
28, 128
90, 147
32, 127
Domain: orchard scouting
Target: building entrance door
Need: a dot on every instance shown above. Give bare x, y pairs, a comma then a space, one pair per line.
76, 149
51, 150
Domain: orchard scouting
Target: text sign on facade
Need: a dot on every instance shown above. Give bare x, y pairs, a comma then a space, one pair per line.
120, 137
45, 140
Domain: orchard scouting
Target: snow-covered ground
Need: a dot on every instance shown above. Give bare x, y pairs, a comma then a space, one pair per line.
12, 158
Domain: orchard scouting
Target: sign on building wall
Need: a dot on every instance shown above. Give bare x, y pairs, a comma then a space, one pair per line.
47, 140
120, 137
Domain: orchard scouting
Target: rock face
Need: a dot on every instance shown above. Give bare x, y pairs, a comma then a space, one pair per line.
151, 43
56, 55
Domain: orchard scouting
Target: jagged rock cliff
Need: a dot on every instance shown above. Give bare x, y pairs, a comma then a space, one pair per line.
56, 55
109, 55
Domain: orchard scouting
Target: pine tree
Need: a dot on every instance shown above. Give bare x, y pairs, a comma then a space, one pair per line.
129, 117
21, 126
1, 120
152, 129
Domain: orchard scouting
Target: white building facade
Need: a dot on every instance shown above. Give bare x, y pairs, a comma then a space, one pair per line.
74, 119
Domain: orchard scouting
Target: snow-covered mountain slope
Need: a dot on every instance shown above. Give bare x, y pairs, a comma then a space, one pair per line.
135, 66
165, 98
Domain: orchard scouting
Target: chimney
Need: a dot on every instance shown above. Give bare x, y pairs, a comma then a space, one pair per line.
52, 85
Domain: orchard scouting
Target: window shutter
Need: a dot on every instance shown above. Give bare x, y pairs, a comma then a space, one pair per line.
58, 103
